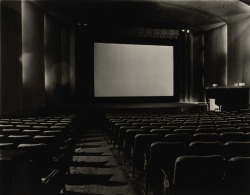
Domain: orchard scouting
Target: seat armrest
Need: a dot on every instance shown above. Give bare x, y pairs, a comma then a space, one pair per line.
48, 178
146, 161
166, 183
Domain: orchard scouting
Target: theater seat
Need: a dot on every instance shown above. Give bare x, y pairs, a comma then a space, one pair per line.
142, 147
162, 156
161, 132
206, 137
237, 176
46, 179
206, 148
236, 149
7, 146
178, 137
129, 141
233, 136
19, 139
198, 175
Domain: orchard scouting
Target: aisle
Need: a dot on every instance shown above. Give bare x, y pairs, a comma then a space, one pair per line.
95, 170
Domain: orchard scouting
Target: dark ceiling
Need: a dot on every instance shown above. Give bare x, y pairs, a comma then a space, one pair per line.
193, 14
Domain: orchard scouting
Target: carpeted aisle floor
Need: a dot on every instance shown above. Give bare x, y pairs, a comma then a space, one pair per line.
96, 169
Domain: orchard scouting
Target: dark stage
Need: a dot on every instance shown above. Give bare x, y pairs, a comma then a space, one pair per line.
102, 108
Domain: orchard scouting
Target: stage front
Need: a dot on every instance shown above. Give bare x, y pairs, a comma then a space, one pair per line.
97, 108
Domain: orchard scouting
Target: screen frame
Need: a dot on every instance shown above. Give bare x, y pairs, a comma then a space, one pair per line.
144, 99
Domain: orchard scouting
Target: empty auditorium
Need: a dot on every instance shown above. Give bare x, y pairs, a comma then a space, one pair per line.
124, 97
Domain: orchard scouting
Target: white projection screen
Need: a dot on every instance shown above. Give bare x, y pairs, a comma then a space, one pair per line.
128, 70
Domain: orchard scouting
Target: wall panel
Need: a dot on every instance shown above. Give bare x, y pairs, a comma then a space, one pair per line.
33, 57
11, 67
239, 52
215, 57
53, 69
198, 66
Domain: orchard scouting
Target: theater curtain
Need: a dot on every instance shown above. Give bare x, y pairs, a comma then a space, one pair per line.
191, 67
185, 68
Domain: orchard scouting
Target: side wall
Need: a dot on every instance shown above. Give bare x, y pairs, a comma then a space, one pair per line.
239, 52
10, 60
35, 69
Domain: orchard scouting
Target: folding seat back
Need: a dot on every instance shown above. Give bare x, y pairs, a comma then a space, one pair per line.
194, 123
16, 122
161, 132
4, 122
163, 156
32, 132
41, 157
41, 127
206, 124
219, 122
188, 127
157, 124
20, 139
132, 121
245, 129
3, 139
236, 149
206, 130
11, 132
172, 127
206, 148
115, 130
129, 141
206, 137
54, 142
148, 121
226, 125
53, 133
165, 121
178, 137
57, 127
198, 175
139, 124
7, 146
6, 126
121, 136
237, 176
148, 127
22, 127
233, 136
142, 146
175, 123
226, 129
31, 123
237, 125
185, 130
248, 136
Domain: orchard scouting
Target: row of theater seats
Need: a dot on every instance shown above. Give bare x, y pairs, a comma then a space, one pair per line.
49, 144
147, 140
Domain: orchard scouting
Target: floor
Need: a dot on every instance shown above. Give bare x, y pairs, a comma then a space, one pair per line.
97, 170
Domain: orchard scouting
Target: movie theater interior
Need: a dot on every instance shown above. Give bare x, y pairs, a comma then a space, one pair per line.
124, 97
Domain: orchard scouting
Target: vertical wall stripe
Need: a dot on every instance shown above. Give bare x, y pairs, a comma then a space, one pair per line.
33, 57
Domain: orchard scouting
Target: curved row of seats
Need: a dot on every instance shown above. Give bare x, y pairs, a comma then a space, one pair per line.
209, 133
162, 155
205, 122
49, 144
210, 175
